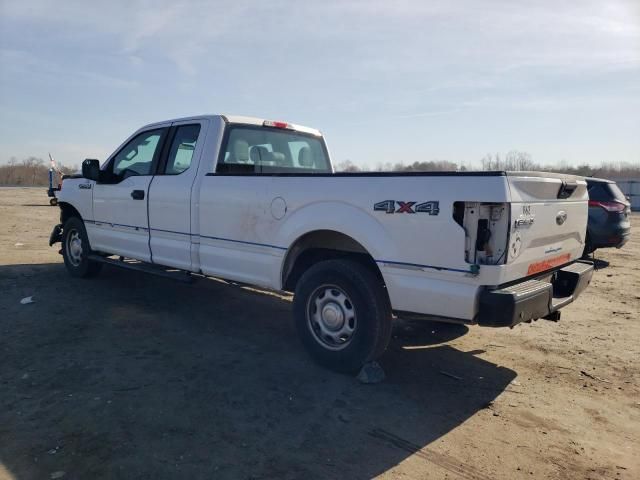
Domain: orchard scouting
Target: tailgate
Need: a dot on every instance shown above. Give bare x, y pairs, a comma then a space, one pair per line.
549, 215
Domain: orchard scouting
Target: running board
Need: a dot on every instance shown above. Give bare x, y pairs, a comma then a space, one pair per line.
130, 264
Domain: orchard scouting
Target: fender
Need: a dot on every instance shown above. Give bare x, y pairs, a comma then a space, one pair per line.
78, 192
340, 217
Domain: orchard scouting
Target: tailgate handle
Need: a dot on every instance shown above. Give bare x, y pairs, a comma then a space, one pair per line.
137, 194
567, 189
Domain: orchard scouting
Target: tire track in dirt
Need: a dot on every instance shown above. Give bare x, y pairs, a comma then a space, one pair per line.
444, 461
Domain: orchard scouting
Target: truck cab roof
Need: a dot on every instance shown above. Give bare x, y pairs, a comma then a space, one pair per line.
237, 119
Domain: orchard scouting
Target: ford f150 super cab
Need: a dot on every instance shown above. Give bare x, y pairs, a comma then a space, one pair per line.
257, 202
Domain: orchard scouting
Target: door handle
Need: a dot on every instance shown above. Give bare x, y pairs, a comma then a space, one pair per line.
137, 194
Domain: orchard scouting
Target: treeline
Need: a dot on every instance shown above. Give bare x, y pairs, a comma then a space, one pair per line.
516, 160
434, 166
34, 171
513, 160
30, 172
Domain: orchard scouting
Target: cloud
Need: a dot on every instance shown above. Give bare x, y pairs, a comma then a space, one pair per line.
149, 23
401, 36
342, 62
23, 63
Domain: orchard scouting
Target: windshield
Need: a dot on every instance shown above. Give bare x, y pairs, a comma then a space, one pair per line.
264, 150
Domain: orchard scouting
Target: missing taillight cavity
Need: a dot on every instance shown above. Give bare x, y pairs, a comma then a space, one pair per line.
483, 235
486, 227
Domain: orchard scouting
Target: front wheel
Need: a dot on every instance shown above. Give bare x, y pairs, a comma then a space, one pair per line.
76, 250
342, 314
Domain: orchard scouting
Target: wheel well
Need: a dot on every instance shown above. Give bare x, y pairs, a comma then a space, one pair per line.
67, 211
318, 246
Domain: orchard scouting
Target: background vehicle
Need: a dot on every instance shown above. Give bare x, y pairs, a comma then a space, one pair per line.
55, 182
257, 201
609, 222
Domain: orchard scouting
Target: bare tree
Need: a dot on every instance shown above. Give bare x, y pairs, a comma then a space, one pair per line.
31, 171
346, 166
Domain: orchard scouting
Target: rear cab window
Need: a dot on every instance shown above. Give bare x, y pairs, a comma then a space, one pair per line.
251, 150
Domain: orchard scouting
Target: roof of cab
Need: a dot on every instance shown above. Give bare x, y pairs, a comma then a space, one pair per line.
238, 119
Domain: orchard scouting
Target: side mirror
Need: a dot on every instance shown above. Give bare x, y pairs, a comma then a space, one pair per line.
91, 169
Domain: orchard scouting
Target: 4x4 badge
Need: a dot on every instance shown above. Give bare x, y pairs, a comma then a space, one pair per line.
397, 206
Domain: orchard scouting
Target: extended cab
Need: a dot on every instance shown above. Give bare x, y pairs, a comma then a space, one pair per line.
257, 201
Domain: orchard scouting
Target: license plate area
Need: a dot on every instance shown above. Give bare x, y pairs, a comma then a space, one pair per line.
548, 264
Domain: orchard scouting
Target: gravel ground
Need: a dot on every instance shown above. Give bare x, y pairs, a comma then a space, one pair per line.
132, 376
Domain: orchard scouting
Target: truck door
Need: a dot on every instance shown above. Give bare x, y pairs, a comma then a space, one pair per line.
170, 192
120, 225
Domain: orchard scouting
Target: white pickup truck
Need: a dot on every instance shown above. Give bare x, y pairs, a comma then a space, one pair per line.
257, 202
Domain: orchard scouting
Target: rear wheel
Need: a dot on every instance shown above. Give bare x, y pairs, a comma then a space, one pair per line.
76, 250
342, 314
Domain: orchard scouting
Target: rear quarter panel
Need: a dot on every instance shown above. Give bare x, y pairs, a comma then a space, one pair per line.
421, 256
346, 204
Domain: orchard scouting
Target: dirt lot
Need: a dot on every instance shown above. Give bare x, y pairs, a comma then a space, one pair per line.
132, 376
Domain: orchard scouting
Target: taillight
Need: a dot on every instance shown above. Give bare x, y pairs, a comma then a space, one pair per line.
275, 124
608, 206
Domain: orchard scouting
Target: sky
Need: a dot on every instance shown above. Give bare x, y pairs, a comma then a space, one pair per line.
385, 81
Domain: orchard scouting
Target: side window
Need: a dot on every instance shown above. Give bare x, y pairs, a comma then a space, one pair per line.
136, 158
182, 148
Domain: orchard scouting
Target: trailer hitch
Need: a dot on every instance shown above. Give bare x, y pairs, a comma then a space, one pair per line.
553, 316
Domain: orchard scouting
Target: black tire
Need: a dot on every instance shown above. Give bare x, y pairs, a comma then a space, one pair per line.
77, 260
53, 201
352, 292
588, 248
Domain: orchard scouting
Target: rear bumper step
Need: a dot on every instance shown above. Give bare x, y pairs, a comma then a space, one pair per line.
533, 299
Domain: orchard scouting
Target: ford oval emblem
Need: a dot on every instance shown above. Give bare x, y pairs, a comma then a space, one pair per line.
561, 217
